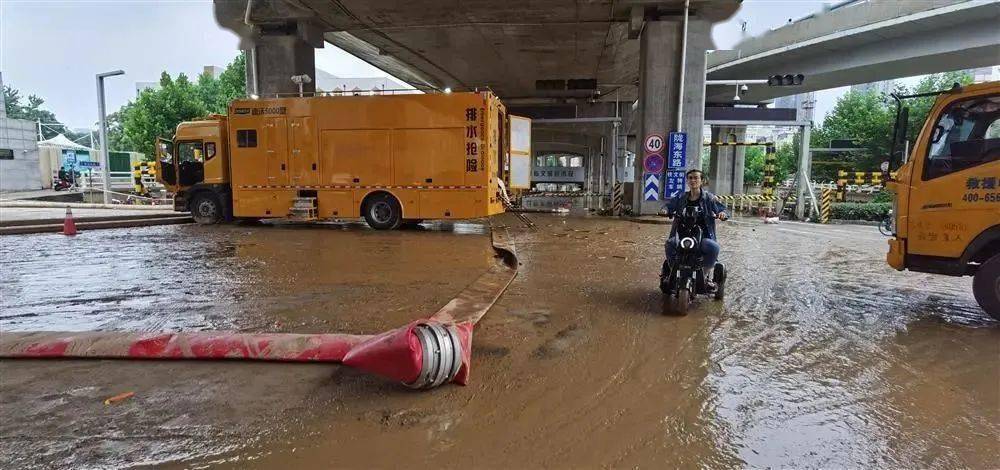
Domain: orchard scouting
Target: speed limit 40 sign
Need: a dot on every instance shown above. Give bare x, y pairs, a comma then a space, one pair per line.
654, 143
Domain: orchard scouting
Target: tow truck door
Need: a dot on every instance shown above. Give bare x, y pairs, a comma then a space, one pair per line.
166, 164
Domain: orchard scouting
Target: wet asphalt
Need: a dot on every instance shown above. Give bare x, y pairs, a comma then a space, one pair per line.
820, 355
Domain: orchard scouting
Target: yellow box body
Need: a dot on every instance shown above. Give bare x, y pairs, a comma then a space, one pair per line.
440, 155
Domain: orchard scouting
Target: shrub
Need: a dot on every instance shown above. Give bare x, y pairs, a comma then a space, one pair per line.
882, 196
861, 210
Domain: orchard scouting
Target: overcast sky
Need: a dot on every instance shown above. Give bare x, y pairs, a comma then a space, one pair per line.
54, 48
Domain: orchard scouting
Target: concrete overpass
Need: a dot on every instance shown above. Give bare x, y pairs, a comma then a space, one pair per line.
567, 61
857, 41
862, 42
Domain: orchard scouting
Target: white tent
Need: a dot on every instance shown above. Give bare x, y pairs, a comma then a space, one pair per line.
60, 141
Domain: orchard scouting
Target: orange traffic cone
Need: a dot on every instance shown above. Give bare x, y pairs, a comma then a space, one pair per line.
69, 227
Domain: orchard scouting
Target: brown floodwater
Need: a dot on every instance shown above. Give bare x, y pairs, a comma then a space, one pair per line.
820, 356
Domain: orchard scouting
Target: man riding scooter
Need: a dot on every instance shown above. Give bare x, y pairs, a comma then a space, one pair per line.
710, 209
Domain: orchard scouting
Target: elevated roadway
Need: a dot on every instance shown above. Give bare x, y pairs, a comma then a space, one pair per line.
863, 42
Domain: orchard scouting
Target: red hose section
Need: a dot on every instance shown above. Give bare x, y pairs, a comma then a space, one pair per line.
210, 345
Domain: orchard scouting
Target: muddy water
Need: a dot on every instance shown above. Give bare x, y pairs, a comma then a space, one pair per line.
820, 356
335, 278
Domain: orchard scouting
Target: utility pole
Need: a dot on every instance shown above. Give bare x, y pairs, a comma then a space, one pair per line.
105, 160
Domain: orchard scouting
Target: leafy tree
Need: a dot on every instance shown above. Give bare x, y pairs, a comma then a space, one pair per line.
753, 172
786, 157
156, 112
867, 119
30, 110
217, 93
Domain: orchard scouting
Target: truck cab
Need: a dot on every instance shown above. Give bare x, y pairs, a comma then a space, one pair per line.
194, 165
947, 192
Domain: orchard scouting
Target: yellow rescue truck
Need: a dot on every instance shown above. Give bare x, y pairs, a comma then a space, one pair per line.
392, 159
947, 192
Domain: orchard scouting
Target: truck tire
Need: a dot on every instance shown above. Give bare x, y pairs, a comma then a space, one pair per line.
382, 212
206, 209
986, 286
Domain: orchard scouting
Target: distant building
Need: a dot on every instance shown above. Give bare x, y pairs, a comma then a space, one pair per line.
19, 168
805, 103
884, 87
213, 71
985, 74
328, 82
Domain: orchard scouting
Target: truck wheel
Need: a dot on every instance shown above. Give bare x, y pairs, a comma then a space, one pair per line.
986, 286
206, 209
382, 212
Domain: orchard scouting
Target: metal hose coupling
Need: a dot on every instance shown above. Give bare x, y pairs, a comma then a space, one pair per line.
442, 354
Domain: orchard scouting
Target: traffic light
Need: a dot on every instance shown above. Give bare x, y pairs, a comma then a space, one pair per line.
785, 80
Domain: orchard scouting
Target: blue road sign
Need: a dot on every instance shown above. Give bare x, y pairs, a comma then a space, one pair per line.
677, 150
675, 183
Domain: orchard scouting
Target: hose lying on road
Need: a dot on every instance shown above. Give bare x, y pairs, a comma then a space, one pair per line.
422, 354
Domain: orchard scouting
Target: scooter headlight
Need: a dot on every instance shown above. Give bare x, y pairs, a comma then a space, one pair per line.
688, 243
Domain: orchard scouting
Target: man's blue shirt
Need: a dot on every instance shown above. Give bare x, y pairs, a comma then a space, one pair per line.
710, 206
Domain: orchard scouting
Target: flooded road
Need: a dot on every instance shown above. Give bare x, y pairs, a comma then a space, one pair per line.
820, 356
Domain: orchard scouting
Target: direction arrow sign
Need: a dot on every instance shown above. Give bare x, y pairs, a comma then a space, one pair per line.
651, 187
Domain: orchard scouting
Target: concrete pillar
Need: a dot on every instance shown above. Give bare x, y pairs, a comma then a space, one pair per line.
726, 164
804, 173
659, 75
692, 121
275, 58
739, 164
659, 54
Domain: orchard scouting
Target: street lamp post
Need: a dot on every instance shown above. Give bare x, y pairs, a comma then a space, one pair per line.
105, 160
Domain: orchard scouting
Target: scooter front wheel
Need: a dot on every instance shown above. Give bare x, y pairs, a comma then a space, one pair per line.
677, 305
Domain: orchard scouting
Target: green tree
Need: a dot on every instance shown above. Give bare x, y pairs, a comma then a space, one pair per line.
787, 157
753, 169
31, 109
217, 93
867, 119
156, 113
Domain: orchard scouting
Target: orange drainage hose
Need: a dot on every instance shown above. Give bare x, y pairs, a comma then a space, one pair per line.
423, 354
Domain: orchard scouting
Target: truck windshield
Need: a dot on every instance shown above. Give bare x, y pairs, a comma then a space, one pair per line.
964, 136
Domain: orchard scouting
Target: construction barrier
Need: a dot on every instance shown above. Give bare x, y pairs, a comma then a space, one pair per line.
739, 144
770, 171
873, 178
617, 199
143, 173
748, 203
826, 206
